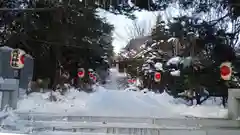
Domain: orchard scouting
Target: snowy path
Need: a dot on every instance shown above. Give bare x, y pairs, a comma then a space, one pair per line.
118, 103
115, 80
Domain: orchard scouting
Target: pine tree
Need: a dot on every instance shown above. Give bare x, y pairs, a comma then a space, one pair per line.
65, 35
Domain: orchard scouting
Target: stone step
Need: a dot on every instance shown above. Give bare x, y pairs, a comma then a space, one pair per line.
191, 122
51, 124
152, 132
84, 126
70, 133
142, 132
93, 127
79, 118
102, 126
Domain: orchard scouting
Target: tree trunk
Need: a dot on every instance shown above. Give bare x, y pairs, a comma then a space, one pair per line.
53, 67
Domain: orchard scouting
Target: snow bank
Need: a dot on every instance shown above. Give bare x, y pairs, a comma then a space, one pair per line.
175, 73
204, 111
109, 102
159, 66
174, 61
118, 103
39, 102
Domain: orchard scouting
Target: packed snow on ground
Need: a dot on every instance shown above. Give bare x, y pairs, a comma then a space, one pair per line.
116, 80
109, 102
112, 102
118, 103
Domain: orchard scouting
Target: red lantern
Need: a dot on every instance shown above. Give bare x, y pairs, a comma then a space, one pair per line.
157, 76
226, 71
81, 73
94, 78
90, 75
22, 59
129, 81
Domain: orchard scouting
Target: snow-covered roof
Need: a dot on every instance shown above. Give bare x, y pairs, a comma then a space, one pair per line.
137, 43
174, 61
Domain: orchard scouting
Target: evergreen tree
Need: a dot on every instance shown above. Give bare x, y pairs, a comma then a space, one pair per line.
57, 34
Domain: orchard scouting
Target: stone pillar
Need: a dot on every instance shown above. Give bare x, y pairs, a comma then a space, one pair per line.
10, 93
234, 104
